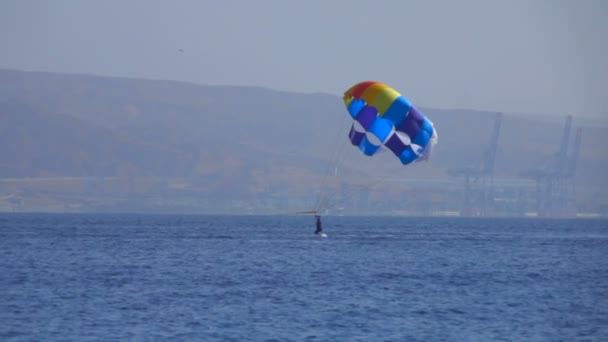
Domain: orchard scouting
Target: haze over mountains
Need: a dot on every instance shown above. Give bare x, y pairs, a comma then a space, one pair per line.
88, 143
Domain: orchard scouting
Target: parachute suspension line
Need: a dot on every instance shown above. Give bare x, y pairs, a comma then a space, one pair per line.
335, 161
329, 201
327, 197
331, 204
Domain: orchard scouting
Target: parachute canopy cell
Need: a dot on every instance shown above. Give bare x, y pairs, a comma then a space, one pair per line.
383, 118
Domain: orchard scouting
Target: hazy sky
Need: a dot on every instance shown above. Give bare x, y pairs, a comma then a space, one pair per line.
540, 56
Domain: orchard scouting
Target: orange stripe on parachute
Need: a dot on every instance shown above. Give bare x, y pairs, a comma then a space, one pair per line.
359, 88
370, 93
376, 94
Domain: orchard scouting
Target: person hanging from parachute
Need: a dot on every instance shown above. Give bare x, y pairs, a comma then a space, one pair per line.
319, 225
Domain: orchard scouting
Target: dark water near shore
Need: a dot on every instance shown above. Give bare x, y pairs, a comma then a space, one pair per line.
238, 278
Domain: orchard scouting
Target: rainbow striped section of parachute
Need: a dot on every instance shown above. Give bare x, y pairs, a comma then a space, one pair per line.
384, 119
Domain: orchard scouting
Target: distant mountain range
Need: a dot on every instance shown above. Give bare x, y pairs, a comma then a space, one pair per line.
239, 141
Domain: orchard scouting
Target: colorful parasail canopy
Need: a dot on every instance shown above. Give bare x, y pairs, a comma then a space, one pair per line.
384, 119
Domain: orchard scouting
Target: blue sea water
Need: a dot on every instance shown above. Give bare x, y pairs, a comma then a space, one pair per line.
268, 278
